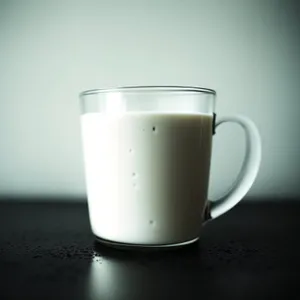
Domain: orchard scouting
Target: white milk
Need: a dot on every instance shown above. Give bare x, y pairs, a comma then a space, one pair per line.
147, 175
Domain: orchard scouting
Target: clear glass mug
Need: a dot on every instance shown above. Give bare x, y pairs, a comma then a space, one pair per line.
147, 152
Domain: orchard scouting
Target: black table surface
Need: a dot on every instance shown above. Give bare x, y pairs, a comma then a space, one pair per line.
47, 251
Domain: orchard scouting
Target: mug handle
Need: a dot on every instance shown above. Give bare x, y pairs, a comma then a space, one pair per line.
247, 174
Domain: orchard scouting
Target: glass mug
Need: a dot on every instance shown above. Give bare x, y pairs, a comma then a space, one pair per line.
147, 152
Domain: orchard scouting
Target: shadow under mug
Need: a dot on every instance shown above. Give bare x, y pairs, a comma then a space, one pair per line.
147, 152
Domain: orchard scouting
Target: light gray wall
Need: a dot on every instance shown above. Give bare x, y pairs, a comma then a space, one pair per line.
51, 50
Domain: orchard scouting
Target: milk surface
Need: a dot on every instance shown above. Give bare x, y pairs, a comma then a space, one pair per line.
146, 175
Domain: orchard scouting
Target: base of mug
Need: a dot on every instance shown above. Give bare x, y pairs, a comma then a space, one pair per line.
128, 246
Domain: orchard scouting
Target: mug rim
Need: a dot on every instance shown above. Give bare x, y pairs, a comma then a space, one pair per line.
150, 88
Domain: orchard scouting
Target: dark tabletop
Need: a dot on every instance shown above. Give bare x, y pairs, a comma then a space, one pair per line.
47, 251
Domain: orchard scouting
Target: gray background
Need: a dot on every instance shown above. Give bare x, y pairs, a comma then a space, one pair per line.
51, 50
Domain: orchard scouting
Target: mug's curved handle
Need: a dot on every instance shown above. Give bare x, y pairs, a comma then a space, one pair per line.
247, 173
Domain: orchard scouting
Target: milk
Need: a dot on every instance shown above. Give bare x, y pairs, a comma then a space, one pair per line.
146, 175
